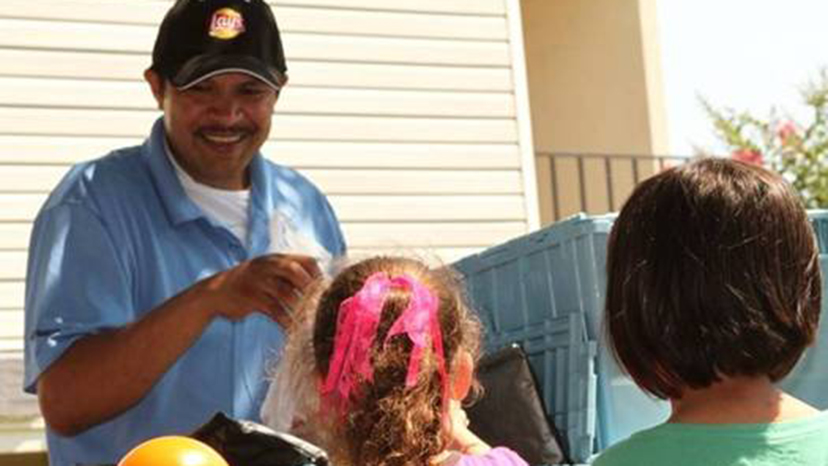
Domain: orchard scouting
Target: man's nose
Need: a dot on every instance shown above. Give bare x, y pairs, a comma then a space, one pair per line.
225, 108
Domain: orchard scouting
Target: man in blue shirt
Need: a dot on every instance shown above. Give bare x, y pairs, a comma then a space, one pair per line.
161, 277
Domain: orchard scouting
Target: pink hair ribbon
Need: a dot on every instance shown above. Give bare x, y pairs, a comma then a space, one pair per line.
356, 329
420, 322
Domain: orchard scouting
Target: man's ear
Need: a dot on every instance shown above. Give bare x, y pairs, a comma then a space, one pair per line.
462, 375
157, 84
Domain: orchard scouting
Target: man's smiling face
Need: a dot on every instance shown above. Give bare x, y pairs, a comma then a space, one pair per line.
215, 127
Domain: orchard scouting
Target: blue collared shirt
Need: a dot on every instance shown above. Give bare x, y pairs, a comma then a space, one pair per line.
117, 238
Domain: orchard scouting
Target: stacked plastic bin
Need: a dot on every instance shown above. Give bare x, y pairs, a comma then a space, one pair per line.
809, 379
545, 291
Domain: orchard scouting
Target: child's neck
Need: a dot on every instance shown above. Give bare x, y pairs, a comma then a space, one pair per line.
738, 400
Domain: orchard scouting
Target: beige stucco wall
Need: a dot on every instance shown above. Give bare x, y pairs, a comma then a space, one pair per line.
595, 88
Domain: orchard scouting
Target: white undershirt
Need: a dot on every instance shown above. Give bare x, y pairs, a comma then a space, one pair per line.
226, 207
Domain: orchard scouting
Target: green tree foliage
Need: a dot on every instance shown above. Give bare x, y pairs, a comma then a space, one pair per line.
799, 152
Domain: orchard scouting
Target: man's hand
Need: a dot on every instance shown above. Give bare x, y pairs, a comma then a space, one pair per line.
271, 284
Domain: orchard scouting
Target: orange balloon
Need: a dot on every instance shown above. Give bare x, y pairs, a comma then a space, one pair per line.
173, 450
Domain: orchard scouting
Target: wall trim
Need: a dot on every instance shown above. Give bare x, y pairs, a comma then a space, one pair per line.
524, 115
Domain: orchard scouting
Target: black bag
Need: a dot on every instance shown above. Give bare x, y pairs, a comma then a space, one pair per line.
510, 412
245, 443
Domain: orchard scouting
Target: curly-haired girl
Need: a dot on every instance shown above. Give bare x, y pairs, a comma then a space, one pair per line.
388, 347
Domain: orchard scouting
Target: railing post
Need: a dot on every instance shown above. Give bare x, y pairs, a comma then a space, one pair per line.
636, 174
553, 168
582, 182
610, 182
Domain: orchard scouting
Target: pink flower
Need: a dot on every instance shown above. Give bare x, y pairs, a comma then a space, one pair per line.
785, 131
747, 156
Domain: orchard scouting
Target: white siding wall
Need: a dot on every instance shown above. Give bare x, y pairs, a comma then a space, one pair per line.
403, 111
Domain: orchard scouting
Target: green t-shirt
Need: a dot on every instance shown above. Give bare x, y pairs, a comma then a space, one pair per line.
801, 442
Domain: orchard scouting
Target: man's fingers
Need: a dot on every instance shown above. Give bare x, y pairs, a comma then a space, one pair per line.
299, 271
281, 302
308, 264
274, 284
282, 292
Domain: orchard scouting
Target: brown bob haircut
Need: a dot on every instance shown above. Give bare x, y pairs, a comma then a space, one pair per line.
712, 272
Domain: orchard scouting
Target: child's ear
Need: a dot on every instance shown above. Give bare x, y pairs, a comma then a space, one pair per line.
461, 378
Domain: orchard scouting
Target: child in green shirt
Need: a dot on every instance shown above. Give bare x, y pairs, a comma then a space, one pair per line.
713, 294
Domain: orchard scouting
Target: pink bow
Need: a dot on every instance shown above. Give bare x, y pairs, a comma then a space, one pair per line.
420, 322
356, 329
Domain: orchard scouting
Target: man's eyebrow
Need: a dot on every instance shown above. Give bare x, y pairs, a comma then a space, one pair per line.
253, 83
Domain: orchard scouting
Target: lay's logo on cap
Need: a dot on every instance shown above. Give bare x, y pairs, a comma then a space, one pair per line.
226, 23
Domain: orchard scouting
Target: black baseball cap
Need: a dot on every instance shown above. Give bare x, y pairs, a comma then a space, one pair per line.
199, 39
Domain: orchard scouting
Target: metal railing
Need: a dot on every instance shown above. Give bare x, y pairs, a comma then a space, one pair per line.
606, 179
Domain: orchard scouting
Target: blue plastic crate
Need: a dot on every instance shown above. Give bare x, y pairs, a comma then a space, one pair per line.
559, 271
523, 288
809, 379
568, 392
819, 219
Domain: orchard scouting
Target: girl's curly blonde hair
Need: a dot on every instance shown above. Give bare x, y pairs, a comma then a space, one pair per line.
386, 423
